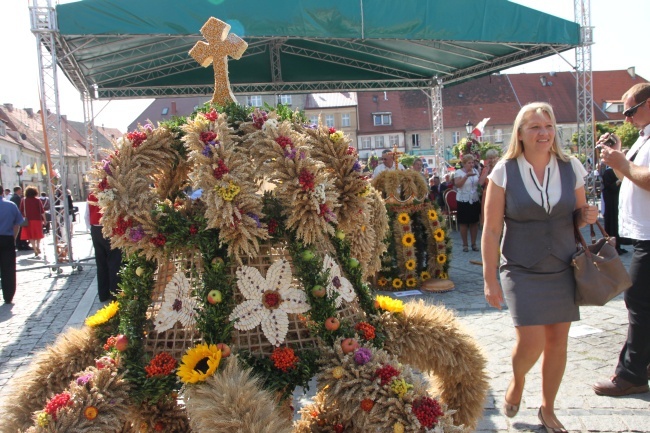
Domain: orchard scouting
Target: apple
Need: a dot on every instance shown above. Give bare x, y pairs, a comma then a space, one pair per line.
216, 262
332, 324
139, 271
225, 349
318, 291
214, 297
340, 234
308, 255
349, 345
354, 263
121, 342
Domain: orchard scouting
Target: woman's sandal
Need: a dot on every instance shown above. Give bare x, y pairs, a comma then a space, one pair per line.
465, 249
549, 429
510, 410
474, 247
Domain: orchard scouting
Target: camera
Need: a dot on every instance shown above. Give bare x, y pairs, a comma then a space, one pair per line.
611, 141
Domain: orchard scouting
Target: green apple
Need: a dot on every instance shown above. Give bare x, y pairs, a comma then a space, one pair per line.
318, 291
340, 234
308, 255
139, 271
354, 263
214, 297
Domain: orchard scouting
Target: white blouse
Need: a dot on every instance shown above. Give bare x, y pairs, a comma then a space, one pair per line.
548, 192
469, 191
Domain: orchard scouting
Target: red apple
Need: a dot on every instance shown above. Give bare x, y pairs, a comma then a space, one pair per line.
121, 342
214, 297
349, 345
225, 349
332, 324
318, 291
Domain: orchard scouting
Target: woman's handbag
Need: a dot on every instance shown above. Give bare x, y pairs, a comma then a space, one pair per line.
599, 273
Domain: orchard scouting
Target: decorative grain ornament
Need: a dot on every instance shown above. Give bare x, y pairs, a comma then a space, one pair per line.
178, 304
220, 45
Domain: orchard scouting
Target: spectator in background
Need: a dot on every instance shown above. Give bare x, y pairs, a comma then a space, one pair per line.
467, 181
7, 193
388, 163
434, 188
10, 222
444, 186
32, 210
17, 198
108, 259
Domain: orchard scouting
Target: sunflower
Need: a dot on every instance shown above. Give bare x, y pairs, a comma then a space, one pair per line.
199, 363
389, 304
433, 215
103, 315
410, 264
441, 258
411, 282
403, 218
439, 235
397, 283
382, 281
425, 276
408, 240
443, 276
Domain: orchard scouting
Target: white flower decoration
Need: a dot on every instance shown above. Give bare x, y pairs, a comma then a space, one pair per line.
268, 301
337, 282
319, 193
270, 124
105, 197
178, 304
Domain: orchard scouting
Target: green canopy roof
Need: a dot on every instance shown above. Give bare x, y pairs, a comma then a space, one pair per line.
139, 48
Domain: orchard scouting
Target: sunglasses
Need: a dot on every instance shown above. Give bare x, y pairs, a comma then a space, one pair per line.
630, 112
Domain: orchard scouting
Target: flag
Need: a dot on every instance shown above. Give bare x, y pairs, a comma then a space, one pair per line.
43, 170
28, 169
478, 131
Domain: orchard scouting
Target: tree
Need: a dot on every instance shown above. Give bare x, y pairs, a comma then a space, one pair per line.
628, 134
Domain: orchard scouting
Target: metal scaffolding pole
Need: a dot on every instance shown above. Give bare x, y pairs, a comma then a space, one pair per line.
44, 27
584, 94
438, 136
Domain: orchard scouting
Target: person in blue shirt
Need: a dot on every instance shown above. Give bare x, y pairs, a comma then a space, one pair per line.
10, 222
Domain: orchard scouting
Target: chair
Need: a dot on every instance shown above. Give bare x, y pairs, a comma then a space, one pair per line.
451, 208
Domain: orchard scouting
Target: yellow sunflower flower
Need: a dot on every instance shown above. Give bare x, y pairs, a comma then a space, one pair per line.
408, 240
411, 282
382, 281
439, 235
199, 363
104, 315
443, 276
389, 304
425, 276
410, 264
441, 258
397, 283
403, 218
433, 215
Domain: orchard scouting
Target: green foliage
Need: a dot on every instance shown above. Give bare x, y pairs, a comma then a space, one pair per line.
407, 160
601, 128
284, 112
628, 134
278, 381
183, 225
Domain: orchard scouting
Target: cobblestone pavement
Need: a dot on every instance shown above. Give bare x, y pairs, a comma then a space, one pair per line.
46, 303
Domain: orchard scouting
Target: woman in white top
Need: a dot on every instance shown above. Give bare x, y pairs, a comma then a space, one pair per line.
537, 191
467, 181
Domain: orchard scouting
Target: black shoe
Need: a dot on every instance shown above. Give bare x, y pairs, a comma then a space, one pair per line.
621, 251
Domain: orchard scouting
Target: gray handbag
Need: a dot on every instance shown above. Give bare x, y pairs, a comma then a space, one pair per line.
599, 273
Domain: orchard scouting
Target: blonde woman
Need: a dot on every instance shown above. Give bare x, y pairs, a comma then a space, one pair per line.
467, 182
535, 190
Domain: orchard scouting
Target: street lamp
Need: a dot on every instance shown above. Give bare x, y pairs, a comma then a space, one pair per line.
19, 172
469, 127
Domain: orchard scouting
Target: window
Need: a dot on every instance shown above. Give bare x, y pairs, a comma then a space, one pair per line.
285, 99
3, 129
379, 142
415, 140
313, 120
254, 101
345, 119
381, 119
455, 137
165, 111
498, 135
365, 142
329, 120
393, 140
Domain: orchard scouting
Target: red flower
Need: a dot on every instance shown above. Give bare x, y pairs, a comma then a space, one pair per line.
136, 138
366, 329
351, 151
332, 130
57, 402
208, 136
284, 141
122, 226
212, 115
367, 404
386, 373
272, 227
284, 358
306, 180
160, 240
103, 184
161, 365
427, 411
221, 169
193, 230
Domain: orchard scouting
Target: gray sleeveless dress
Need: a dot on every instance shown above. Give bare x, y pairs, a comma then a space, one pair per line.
536, 275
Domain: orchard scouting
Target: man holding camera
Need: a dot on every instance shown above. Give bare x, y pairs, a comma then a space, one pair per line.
633, 168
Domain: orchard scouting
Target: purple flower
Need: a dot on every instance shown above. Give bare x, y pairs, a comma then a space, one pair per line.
290, 153
107, 166
256, 218
336, 281
356, 166
84, 378
136, 233
302, 155
207, 151
362, 356
310, 125
148, 127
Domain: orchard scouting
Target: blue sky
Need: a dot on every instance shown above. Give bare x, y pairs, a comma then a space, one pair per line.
617, 32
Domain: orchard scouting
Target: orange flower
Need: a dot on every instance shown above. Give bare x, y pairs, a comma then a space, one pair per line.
367, 404
366, 329
284, 358
91, 413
